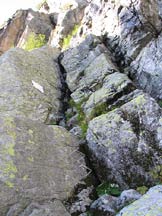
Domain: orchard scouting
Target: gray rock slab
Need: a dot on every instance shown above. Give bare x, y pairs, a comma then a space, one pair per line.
30, 84
37, 162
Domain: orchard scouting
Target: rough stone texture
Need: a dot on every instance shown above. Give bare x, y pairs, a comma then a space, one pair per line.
37, 162
37, 23
93, 78
125, 144
127, 197
21, 25
130, 29
107, 205
11, 33
160, 7
76, 60
150, 204
72, 10
126, 25
53, 208
30, 84
146, 69
113, 86
83, 201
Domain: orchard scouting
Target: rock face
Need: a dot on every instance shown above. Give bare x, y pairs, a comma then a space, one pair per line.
149, 204
126, 25
76, 60
125, 143
19, 28
146, 68
131, 29
93, 78
37, 163
35, 90
11, 33
72, 10
92, 88
40, 165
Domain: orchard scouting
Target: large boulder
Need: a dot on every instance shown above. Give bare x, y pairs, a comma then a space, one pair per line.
125, 144
30, 84
149, 204
38, 163
21, 26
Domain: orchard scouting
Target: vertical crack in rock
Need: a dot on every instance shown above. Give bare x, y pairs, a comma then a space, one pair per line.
65, 92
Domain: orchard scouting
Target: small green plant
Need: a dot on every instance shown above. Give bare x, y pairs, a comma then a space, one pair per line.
99, 110
160, 103
89, 213
156, 173
66, 40
142, 190
35, 41
81, 116
68, 116
108, 188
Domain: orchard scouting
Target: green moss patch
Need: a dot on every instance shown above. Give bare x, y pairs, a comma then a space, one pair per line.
142, 190
156, 174
35, 41
82, 122
67, 39
107, 188
99, 110
160, 103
